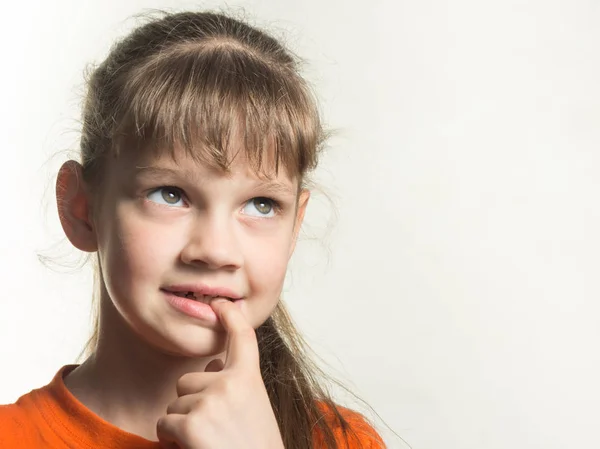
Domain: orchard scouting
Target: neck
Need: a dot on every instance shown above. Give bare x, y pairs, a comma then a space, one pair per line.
126, 381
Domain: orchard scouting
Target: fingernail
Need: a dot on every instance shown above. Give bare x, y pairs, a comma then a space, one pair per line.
219, 301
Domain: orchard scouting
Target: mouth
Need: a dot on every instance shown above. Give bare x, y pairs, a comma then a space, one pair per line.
201, 298
196, 301
207, 299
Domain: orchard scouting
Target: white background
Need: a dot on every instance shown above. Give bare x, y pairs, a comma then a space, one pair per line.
457, 292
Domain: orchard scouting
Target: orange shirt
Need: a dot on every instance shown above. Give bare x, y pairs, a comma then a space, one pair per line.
52, 418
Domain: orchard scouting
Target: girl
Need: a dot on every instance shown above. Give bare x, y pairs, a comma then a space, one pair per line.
198, 134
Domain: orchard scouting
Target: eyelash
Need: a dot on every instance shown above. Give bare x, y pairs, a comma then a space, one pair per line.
276, 205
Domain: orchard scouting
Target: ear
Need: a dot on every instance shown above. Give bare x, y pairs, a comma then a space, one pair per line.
74, 207
303, 198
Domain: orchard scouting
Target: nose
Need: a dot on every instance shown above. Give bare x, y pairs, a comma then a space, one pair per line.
212, 244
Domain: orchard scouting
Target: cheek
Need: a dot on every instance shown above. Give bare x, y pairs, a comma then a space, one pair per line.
266, 263
265, 268
134, 251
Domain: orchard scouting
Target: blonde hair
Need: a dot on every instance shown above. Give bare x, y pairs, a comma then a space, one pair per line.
191, 80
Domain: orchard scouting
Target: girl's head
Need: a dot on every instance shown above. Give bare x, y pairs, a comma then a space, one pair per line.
198, 132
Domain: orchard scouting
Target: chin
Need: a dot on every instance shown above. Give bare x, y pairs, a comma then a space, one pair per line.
191, 343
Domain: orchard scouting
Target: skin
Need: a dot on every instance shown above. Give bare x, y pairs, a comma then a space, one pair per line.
156, 371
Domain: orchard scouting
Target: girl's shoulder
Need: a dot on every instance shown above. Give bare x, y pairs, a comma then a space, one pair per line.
353, 430
18, 422
32, 421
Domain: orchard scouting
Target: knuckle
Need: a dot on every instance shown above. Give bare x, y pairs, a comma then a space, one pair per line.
199, 405
188, 429
207, 408
226, 386
160, 424
181, 384
185, 382
213, 397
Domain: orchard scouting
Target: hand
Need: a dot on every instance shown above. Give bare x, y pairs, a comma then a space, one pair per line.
227, 406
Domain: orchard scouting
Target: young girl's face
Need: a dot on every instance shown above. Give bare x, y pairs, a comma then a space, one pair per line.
162, 223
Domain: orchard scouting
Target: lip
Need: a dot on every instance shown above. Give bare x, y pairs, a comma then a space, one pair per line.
198, 310
202, 289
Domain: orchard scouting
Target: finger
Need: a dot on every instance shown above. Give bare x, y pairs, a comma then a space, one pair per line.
184, 405
195, 382
242, 346
169, 429
214, 366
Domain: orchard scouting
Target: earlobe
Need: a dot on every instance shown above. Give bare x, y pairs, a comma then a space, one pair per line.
302, 203
74, 207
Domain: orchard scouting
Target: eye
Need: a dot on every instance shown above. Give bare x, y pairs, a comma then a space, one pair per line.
168, 195
266, 207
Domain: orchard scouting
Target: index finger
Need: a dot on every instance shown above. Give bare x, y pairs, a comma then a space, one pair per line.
242, 346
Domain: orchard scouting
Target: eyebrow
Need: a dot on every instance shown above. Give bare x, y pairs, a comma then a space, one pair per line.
269, 186
163, 171
275, 188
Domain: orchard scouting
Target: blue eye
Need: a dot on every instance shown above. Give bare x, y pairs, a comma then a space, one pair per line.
266, 207
170, 196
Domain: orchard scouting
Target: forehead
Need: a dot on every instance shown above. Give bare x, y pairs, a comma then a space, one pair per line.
201, 164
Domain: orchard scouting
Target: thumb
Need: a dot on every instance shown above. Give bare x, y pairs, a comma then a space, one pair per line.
214, 366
